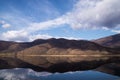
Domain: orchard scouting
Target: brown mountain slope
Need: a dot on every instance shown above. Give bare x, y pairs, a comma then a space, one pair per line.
110, 41
9, 46
64, 46
51, 45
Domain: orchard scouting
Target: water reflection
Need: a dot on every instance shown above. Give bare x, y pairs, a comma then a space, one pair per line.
47, 60
62, 63
28, 74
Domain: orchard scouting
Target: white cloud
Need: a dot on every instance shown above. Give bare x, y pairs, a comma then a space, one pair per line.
116, 31
90, 14
95, 13
39, 36
22, 74
69, 38
105, 28
22, 35
46, 25
4, 24
13, 35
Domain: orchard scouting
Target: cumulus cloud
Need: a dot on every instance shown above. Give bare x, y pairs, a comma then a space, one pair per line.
95, 13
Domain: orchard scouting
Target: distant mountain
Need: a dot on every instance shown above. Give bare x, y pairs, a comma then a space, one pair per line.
110, 41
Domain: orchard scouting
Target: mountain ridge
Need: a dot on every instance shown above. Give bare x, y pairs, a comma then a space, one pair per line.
112, 41
61, 43
57, 44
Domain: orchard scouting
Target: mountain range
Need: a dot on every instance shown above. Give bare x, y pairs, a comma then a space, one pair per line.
108, 44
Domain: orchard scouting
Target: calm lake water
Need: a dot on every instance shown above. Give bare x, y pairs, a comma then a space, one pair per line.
29, 74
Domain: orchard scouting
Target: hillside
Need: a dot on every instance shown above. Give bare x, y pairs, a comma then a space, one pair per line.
64, 46
53, 46
9, 46
110, 41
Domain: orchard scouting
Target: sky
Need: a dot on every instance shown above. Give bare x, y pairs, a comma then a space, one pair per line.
27, 20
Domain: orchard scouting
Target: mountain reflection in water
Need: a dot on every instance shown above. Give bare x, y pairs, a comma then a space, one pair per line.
20, 68
29, 74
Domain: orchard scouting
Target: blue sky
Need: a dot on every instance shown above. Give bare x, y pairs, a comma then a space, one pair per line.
27, 20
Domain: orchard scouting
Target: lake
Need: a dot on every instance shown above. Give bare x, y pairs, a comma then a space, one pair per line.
29, 74
74, 68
